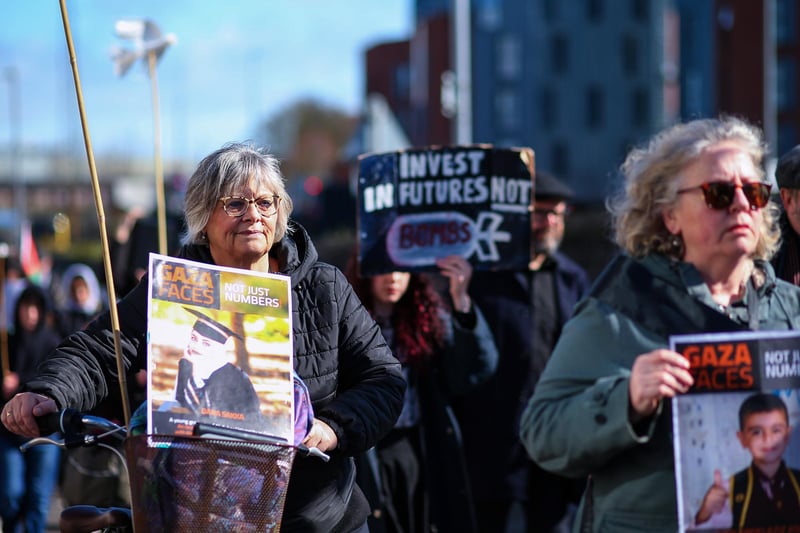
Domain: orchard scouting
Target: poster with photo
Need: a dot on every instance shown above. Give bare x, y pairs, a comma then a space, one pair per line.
416, 205
219, 349
735, 436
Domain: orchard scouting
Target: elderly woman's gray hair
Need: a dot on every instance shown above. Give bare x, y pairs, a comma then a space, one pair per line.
651, 183
222, 173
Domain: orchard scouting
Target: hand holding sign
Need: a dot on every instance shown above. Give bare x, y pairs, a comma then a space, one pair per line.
656, 375
459, 272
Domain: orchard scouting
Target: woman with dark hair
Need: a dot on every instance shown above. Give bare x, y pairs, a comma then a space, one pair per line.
420, 474
28, 479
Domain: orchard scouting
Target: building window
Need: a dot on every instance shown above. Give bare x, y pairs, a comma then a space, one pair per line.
549, 10
625, 147
787, 84
401, 82
787, 137
558, 54
630, 55
786, 21
640, 10
508, 61
594, 10
548, 107
559, 158
640, 108
595, 113
507, 109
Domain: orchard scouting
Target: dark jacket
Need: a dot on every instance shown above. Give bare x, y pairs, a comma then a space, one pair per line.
355, 382
228, 388
467, 359
753, 508
489, 416
786, 260
27, 349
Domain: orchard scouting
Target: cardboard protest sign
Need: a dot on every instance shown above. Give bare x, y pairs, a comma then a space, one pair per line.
417, 205
735, 427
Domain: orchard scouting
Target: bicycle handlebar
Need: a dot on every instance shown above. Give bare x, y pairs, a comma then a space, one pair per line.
56, 422
213, 430
69, 421
77, 429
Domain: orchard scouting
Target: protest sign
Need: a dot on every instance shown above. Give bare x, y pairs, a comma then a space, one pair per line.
417, 205
734, 429
219, 349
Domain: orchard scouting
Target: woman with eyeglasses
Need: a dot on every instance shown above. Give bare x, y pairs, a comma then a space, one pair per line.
237, 215
697, 228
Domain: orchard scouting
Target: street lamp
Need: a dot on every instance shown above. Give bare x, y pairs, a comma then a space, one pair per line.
149, 45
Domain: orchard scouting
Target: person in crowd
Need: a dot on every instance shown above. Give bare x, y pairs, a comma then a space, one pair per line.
120, 249
237, 215
28, 478
445, 349
787, 259
14, 283
81, 298
526, 310
91, 475
697, 229
767, 492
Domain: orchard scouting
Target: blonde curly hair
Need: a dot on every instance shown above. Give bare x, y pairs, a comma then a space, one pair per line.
651, 185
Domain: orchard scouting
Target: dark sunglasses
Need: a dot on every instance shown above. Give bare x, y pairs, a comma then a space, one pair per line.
719, 194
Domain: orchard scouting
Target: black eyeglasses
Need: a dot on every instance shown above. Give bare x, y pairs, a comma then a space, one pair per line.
542, 214
236, 206
719, 194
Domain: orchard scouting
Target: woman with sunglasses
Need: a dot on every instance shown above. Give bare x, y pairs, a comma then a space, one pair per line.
697, 229
237, 215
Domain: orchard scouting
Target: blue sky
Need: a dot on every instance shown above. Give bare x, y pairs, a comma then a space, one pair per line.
235, 64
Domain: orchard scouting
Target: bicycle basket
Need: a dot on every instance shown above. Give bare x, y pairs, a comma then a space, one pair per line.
198, 484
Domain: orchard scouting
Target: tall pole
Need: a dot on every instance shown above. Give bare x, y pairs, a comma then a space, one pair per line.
463, 62
15, 142
101, 218
5, 366
160, 203
770, 104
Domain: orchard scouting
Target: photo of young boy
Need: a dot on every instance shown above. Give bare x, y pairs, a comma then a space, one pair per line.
767, 492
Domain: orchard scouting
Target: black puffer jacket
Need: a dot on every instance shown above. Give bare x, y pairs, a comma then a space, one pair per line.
355, 382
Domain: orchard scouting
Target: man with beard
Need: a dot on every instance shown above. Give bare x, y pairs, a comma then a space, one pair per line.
525, 310
787, 260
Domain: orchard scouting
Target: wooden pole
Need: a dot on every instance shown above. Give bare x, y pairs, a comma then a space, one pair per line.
5, 366
101, 218
160, 203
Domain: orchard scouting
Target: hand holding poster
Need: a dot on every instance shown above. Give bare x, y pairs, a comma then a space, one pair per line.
219, 350
737, 449
420, 204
